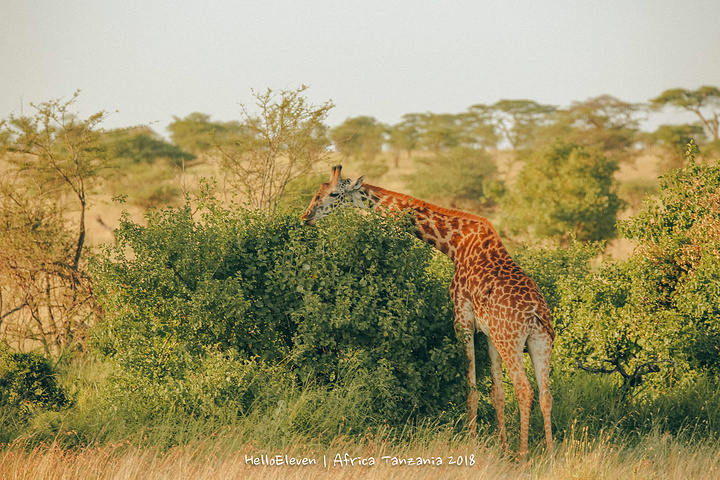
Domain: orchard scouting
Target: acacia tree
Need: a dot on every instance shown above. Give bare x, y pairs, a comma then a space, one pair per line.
464, 174
49, 161
404, 136
359, 137
518, 120
605, 121
196, 133
703, 102
440, 131
142, 145
478, 127
285, 141
675, 138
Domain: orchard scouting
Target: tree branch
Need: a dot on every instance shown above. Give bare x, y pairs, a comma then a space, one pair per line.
630, 380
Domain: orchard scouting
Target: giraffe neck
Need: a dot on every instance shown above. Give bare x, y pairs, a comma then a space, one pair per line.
442, 228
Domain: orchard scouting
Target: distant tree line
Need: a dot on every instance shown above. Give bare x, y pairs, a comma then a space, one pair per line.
518, 124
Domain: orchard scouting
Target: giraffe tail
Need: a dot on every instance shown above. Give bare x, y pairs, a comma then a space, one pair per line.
545, 318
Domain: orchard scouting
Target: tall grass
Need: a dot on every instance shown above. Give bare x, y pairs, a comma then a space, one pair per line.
225, 455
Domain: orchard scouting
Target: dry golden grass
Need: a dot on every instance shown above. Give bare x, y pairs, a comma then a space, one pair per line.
657, 457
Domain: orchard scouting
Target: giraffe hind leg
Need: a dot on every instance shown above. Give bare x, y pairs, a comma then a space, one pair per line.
540, 348
513, 358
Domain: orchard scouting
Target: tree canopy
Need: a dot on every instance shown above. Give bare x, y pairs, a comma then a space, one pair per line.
563, 192
360, 138
196, 133
142, 145
703, 102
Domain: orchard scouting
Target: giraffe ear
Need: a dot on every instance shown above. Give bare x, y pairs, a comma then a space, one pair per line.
358, 183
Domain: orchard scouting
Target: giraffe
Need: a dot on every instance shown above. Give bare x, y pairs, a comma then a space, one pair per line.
490, 293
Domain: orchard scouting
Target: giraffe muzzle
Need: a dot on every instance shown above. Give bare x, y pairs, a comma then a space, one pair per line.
306, 220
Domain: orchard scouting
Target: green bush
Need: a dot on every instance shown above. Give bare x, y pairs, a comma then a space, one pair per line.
563, 192
28, 380
651, 322
557, 269
368, 296
357, 293
179, 285
28, 388
676, 269
598, 316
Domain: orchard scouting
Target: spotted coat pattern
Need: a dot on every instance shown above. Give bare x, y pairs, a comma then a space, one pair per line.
490, 292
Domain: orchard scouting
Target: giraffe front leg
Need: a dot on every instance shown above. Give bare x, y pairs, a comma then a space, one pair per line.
472, 399
497, 393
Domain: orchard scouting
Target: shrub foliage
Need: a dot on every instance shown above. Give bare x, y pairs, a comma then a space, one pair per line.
656, 312
28, 380
564, 191
356, 296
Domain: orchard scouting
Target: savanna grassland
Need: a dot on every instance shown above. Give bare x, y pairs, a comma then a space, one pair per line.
164, 315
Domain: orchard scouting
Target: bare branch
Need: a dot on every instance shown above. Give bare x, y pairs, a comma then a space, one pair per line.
277, 148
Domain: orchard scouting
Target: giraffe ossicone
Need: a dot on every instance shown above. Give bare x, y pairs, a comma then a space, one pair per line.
490, 292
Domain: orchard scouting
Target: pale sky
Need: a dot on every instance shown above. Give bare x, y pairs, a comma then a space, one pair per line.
146, 61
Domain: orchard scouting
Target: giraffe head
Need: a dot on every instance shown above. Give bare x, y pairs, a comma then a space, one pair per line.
336, 193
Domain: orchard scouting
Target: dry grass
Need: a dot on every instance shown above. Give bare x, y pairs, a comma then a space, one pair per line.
656, 457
